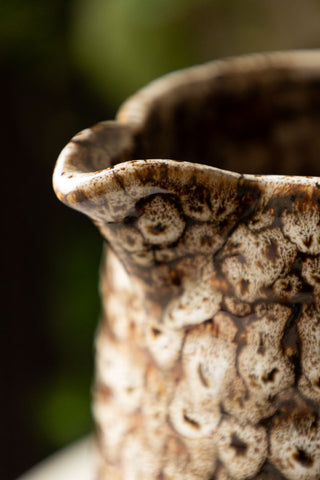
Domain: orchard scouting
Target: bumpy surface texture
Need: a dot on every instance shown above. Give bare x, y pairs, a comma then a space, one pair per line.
209, 354
208, 351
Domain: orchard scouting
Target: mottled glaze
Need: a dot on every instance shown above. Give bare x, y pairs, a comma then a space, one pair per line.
208, 351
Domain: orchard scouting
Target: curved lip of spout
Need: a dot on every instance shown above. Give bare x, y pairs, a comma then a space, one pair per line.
98, 161
80, 187
85, 165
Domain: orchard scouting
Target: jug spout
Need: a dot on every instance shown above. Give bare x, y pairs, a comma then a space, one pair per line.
83, 173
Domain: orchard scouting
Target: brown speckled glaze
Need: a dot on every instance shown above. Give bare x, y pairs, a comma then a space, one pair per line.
208, 351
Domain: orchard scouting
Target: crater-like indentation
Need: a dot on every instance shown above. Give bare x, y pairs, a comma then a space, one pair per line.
270, 376
239, 446
303, 458
190, 421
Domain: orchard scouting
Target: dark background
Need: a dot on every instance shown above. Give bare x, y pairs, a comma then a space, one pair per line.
65, 66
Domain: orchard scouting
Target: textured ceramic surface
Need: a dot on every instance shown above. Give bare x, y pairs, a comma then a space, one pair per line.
208, 352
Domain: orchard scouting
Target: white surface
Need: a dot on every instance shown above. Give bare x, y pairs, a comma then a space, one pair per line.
75, 462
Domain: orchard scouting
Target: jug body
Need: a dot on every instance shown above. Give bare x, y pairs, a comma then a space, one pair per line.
208, 350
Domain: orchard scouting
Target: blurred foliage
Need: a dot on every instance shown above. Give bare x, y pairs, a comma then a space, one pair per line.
123, 44
32, 35
64, 403
69, 64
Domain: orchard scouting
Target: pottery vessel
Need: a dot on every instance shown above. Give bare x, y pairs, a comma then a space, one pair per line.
208, 350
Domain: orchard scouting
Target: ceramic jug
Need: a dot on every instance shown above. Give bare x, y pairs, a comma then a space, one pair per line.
206, 190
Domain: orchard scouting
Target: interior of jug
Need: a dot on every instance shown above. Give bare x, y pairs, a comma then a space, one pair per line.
261, 121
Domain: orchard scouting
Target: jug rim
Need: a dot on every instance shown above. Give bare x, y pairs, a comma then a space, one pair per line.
76, 179
301, 62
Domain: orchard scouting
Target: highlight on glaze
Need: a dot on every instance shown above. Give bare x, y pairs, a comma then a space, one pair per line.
208, 351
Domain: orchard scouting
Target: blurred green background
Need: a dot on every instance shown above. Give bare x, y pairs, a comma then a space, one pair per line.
64, 66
